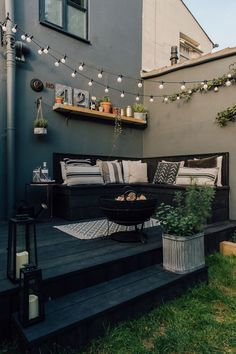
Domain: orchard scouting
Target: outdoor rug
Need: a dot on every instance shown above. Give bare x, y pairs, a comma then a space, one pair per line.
98, 228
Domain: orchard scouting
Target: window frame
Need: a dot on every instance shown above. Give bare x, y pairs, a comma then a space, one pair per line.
63, 28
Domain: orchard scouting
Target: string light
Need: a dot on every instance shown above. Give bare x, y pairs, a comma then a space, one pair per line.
40, 51
63, 60
137, 98
151, 99
205, 86
74, 73
24, 36
178, 98
228, 83
119, 79
46, 50
100, 74
4, 27
81, 66
161, 86
216, 89
122, 95
140, 84
29, 39
166, 99
57, 63
14, 29
183, 87
106, 89
229, 76
190, 91
90, 83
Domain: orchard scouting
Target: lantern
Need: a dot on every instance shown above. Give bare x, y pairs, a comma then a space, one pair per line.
21, 245
31, 301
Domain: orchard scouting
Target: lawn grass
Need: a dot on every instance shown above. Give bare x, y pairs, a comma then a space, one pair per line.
203, 321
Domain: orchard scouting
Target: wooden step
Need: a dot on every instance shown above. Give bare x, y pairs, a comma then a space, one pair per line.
76, 318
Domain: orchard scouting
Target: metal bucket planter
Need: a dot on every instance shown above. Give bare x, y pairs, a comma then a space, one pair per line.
40, 131
140, 115
183, 254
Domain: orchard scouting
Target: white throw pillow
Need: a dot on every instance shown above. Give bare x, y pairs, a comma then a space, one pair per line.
83, 175
137, 172
219, 161
125, 166
198, 176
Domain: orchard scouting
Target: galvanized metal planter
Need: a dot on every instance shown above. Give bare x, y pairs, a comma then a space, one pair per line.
183, 254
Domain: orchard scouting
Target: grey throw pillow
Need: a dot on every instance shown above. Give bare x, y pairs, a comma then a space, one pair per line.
166, 172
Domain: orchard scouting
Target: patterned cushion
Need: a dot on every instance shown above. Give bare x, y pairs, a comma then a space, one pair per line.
208, 162
199, 176
76, 174
166, 172
111, 172
67, 161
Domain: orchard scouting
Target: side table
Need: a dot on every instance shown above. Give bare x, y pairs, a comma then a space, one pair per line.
48, 186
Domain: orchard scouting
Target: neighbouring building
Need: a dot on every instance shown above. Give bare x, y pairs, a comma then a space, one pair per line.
168, 23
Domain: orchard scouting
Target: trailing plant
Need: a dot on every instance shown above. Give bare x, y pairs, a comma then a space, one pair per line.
117, 131
40, 123
226, 116
190, 213
139, 107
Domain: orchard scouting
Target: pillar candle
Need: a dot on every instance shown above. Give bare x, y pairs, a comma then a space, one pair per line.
21, 258
33, 306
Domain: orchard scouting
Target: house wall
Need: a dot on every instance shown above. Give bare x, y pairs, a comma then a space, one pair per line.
163, 20
181, 128
115, 33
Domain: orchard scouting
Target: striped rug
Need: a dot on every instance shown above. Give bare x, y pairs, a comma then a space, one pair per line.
98, 228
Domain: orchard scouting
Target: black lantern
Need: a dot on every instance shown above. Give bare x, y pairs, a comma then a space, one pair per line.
21, 245
31, 301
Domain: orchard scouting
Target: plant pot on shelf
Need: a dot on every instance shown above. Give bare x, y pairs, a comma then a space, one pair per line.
59, 99
140, 115
106, 106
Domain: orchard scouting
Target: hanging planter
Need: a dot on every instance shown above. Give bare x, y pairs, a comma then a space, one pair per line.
40, 124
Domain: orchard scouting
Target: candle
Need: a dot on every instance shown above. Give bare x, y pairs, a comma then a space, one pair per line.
33, 306
21, 258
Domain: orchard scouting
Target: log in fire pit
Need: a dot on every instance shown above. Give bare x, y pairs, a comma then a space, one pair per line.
128, 209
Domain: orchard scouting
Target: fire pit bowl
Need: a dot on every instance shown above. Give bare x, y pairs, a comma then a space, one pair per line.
128, 212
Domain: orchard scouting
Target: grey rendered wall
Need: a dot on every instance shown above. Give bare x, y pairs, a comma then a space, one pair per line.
115, 35
180, 128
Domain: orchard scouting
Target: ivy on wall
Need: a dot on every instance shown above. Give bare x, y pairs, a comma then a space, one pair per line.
226, 116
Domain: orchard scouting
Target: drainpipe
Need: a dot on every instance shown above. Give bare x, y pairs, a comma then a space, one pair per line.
174, 55
10, 129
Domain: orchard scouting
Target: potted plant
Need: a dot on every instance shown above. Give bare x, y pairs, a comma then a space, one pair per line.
59, 99
40, 126
106, 104
182, 225
140, 111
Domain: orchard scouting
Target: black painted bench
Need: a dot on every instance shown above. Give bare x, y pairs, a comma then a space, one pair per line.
80, 202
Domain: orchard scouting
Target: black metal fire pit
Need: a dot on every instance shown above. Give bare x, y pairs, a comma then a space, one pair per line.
128, 212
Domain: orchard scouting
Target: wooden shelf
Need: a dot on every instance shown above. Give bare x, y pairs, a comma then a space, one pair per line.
96, 115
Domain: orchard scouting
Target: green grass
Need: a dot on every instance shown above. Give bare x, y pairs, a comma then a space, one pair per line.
203, 321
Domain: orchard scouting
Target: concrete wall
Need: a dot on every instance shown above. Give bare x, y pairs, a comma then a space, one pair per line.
115, 35
163, 20
180, 128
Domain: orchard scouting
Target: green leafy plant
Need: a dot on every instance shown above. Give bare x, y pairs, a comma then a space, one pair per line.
139, 107
40, 123
190, 214
226, 116
105, 99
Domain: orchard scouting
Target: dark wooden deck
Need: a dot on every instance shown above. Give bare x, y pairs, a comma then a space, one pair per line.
73, 268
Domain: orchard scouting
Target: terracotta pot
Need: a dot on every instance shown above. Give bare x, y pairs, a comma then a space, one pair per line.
59, 100
106, 106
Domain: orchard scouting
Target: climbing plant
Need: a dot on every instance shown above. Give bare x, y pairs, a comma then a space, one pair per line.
226, 116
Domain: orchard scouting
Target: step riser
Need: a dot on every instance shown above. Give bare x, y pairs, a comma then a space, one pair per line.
80, 335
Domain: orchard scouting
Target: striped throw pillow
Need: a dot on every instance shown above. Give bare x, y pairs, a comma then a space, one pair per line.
111, 172
67, 161
166, 172
198, 176
83, 175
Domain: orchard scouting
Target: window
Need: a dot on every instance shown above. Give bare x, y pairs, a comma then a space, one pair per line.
68, 16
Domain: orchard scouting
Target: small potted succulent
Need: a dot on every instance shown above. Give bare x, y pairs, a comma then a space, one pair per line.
40, 126
106, 104
59, 99
182, 226
140, 111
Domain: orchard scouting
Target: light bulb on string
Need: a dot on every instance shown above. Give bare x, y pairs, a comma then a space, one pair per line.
119, 79
63, 60
229, 76
81, 66
46, 50
40, 51
140, 84
74, 73
228, 83
122, 95
178, 97
190, 91
57, 63
216, 89
205, 86
161, 86
100, 74
151, 99
14, 29
4, 27
29, 39
166, 99
90, 83
106, 89
137, 98
183, 87
23, 36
